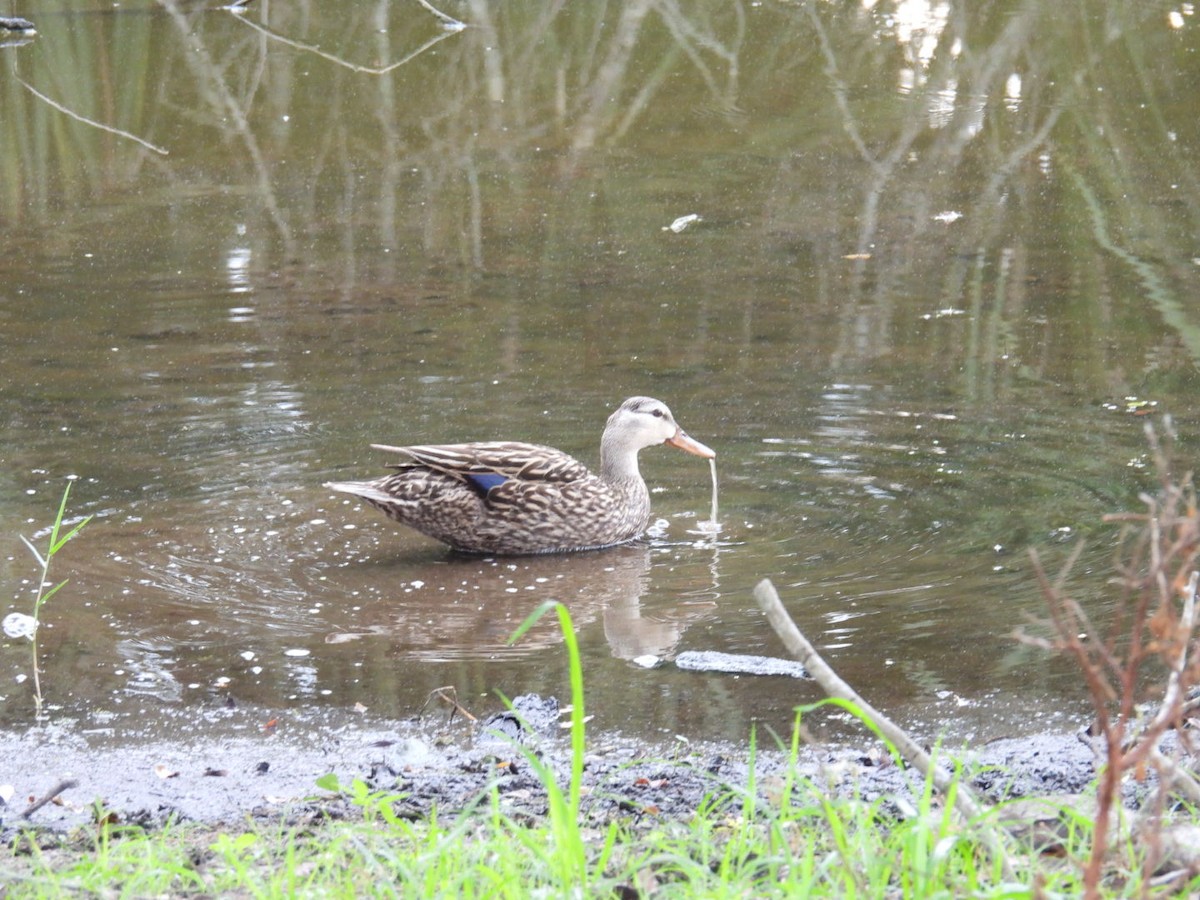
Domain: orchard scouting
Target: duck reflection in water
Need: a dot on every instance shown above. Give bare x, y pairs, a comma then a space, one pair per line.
458, 608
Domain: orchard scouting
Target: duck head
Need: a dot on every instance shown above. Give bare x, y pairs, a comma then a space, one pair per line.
642, 422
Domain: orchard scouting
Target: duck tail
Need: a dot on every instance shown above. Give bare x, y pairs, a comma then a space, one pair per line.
363, 489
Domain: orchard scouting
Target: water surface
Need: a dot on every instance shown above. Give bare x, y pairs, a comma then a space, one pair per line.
941, 271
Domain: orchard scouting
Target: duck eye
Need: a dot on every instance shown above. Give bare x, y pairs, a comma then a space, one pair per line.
657, 413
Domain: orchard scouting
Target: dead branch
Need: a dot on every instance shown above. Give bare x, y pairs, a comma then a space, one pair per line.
65, 785
798, 645
85, 120
450, 27
1153, 626
449, 696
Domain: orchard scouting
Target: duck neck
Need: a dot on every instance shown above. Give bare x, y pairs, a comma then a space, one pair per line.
618, 463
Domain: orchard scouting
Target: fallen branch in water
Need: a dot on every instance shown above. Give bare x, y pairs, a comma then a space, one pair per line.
86, 121
450, 27
16, 23
449, 696
446, 19
798, 645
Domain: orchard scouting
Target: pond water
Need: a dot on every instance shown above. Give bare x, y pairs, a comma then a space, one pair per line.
938, 284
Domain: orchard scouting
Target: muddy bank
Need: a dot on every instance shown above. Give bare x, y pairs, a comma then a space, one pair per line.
249, 762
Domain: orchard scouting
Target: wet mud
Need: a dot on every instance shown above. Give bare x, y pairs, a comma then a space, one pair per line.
249, 763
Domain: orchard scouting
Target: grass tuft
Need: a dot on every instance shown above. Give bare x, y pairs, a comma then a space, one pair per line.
20, 625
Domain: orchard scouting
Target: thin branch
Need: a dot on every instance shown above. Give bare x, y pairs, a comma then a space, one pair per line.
64, 785
449, 696
1177, 779
85, 120
354, 67
798, 645
450, 21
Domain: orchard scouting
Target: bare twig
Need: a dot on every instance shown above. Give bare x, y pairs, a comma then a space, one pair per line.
448, 31
1154, 623
1176, 778
79, 118
447, 20
449, 696
798, 645
65, 785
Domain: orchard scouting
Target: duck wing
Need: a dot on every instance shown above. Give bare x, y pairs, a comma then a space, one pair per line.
486, 464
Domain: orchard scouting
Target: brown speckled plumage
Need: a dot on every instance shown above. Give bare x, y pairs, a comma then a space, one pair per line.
509, 498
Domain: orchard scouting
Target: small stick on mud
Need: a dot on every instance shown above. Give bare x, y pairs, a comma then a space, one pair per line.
449, 696
64, 785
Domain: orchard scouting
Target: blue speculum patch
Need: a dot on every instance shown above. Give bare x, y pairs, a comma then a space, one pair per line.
485, 481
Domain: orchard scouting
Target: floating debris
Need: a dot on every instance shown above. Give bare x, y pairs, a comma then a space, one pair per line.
682, 222
739, 664
1133, 405
944, 313
15, 23
19, 625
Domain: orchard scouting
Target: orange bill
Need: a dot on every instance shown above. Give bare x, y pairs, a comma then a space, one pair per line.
683, 442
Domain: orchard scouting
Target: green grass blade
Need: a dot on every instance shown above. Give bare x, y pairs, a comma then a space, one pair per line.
54, 548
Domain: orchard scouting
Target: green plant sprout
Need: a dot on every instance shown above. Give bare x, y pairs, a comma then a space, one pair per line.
19, 625
374, 804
